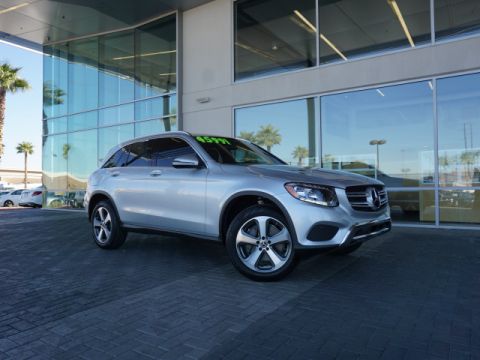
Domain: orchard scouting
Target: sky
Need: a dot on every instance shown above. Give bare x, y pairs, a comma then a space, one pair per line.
23, 119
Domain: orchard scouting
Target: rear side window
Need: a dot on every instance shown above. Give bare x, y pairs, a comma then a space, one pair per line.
164, 150
118, 159
138, 154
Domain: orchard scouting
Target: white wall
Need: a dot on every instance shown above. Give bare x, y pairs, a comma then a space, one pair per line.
208, 67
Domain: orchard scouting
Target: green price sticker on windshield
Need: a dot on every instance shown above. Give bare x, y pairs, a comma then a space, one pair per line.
212, 140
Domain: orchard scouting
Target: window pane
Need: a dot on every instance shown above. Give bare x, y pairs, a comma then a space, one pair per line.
164, 151
385, 133
456, 18
55, 153
82, 121
119, 159
155, 58
459, 206
158, 126
83, 75
286, 129
412, 206
273, 36
458, 108
116, 115
55, 80
111, 136
155, 108
82, 157
116, 61
138, 154
351, 27
55, 126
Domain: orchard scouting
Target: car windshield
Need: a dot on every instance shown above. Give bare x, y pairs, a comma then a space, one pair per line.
232, 151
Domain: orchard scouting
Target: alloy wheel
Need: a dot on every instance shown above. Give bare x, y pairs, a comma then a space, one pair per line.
102, 225
264, 244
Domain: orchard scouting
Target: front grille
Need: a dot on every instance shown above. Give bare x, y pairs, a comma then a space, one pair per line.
364, 198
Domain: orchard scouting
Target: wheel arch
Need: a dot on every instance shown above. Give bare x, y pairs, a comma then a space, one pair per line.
245, 199
96, 198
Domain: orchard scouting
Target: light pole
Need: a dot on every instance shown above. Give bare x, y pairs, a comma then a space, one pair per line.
377, 143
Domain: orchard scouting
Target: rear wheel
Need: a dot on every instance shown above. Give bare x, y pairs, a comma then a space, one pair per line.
260, 244
8, 203
106, 229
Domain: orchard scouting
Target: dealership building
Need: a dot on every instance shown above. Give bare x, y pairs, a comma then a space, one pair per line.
385, 88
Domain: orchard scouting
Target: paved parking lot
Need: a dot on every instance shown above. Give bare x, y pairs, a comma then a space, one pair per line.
414, 294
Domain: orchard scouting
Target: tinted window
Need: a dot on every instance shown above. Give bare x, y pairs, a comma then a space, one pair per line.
138, 154
164, 151
18, 192
118, 159
232, 151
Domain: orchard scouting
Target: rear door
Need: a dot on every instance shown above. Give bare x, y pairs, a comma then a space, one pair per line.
174, 198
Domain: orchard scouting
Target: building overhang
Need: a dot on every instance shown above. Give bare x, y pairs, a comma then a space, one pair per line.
32, 23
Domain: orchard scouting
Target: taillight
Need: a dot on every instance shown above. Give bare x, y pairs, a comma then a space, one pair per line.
36, 193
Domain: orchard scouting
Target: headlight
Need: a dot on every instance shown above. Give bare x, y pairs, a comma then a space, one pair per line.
314, 194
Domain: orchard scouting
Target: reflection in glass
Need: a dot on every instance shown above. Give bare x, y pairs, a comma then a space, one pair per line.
350, 27
158, 126
55, 162
402, 116
82, 157
459, 206
111, 136
287, 129
116, 115
116, 61
273, 36
412, 206
456, 18
155, 108
86, 120
155, 58
83, 75
55, 80
55, 126
458, 108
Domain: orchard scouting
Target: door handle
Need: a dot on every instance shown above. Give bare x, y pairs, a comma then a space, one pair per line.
115, 173
156, 173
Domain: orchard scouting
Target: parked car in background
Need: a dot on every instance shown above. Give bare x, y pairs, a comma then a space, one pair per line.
31, 198
11, 198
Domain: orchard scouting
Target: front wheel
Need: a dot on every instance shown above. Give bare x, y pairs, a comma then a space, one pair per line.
8, 203
259, 243
106, 229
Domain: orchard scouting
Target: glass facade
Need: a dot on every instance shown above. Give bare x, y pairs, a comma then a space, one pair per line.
388, 133
275, 36
99, 92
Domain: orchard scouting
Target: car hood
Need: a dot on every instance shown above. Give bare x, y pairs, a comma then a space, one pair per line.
334, 178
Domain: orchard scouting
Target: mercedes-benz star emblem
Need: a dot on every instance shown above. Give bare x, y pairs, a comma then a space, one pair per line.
373, 199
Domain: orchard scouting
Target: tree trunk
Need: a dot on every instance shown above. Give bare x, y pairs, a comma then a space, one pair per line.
3, 94
25, 171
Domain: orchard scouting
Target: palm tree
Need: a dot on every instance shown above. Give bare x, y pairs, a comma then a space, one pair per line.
9, 83
300, 153
268, 136
27, 149
51, 97
248, 135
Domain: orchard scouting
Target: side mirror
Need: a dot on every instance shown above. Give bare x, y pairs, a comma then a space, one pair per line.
189, 161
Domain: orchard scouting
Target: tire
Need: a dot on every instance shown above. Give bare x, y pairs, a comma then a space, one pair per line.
8, 203
345, 250
106, 230
257, 253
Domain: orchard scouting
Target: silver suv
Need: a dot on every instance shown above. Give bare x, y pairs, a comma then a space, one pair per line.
233, 191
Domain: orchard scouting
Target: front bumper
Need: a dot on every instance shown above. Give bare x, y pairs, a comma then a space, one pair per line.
324, 227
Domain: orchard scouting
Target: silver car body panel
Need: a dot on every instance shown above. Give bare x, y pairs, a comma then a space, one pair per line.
191, 201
